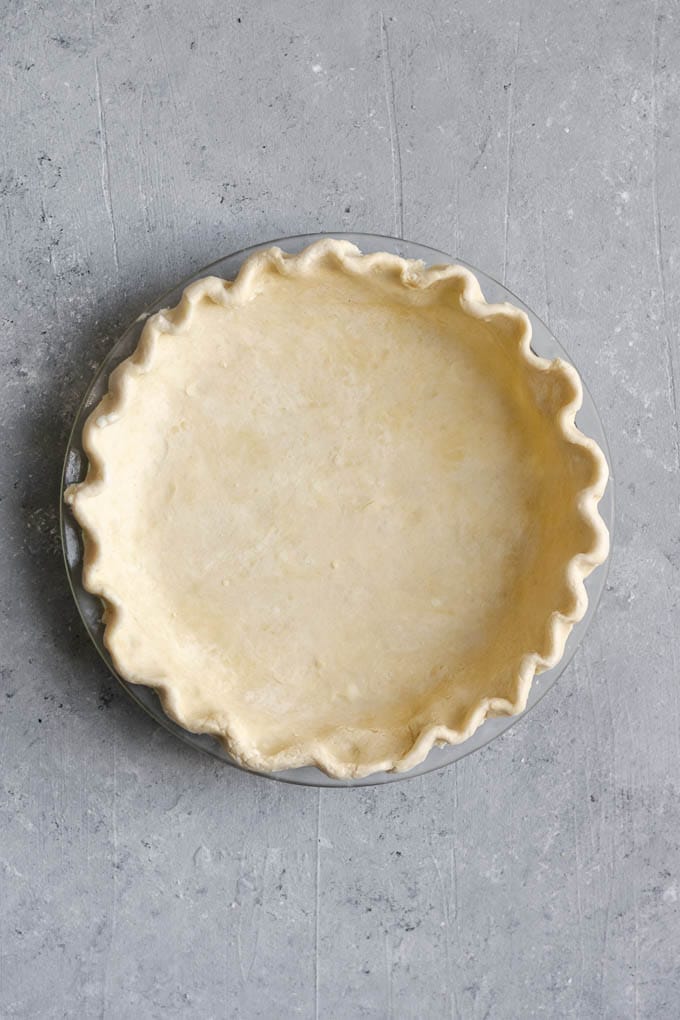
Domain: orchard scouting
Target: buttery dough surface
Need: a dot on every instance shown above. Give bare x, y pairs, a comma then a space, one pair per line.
337, 509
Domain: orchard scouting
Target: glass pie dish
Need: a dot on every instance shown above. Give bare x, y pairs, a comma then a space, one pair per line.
76, 463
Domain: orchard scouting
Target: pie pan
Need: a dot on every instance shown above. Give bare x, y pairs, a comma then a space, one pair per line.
543, 345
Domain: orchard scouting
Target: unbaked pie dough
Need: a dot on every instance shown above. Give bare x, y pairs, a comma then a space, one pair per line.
337, 510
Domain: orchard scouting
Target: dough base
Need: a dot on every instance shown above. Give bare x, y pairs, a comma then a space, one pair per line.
337, 510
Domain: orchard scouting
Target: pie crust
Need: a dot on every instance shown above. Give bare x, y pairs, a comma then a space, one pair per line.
337, 510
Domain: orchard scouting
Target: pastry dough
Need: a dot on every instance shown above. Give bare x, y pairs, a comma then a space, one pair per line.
337, 510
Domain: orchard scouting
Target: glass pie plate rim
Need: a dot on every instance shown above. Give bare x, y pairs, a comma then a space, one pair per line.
75, 463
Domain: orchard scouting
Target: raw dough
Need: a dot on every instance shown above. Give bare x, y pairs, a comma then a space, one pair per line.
338, 510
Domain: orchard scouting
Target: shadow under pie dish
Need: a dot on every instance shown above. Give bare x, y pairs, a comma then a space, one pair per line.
337, 510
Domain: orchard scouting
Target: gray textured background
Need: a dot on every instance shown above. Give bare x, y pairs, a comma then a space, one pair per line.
539, 877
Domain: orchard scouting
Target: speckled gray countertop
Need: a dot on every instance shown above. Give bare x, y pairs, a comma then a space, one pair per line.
539, 877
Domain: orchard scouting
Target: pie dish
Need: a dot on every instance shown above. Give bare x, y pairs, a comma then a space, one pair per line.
338, 511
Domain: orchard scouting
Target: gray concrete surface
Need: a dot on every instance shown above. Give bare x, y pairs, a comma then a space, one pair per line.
539, 877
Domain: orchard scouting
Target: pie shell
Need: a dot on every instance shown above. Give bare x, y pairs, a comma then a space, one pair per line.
327, 712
